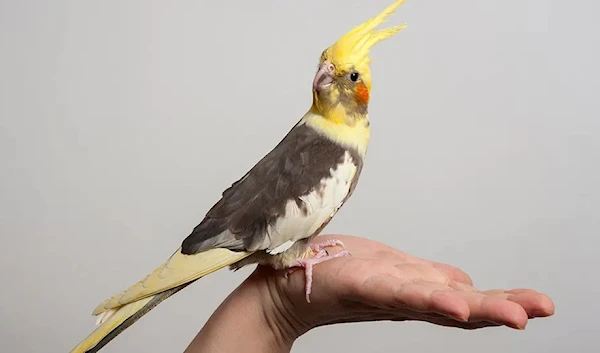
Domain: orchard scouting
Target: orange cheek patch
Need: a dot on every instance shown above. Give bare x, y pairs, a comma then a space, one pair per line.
362, 93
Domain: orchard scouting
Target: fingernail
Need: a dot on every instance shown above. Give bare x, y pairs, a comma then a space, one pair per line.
458, 317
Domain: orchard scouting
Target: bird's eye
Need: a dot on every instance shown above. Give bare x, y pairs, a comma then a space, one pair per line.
354, 76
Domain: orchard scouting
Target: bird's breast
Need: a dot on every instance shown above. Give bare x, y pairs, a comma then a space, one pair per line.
307, 213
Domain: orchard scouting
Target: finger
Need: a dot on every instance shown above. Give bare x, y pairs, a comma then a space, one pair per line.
432, 318
535, 304
494, 309
463, 325
445, 321
520, 290
447, 304
431, 297
387, 292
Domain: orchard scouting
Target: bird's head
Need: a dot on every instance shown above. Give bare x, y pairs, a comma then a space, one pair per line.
342, 84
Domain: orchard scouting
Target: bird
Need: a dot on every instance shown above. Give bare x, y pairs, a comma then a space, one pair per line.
270, 215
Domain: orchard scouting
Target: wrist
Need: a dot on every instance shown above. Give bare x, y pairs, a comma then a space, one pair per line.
281, 315
253, 318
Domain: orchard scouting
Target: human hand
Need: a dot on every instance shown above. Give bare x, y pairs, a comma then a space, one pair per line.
381, 283
268, 312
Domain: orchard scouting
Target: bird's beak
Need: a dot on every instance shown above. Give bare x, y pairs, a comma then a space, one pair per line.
324, 77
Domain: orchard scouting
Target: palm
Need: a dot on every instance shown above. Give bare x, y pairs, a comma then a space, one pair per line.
381, 283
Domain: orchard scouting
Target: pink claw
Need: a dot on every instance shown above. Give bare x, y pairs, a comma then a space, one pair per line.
321, 255
317, 247
289, 271
308, 265
318, 255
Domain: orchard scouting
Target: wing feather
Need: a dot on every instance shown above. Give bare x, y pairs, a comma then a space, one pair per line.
254, 203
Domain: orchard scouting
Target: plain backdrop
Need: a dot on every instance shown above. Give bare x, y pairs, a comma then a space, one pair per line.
122, 121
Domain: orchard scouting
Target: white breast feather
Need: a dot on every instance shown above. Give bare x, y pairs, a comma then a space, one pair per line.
321, 203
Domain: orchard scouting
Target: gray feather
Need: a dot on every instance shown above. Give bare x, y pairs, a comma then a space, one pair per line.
239, 220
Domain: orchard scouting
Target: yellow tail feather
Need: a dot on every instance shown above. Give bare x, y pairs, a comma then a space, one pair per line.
122, 310
109, 325
179, 269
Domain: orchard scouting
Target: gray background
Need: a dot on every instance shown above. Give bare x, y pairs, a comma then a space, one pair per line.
121, 123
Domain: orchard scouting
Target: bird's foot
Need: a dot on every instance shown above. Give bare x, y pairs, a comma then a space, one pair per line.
319, 250
319, 247
308, 264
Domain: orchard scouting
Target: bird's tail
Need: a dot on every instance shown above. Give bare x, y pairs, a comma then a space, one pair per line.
123, 310
120, 319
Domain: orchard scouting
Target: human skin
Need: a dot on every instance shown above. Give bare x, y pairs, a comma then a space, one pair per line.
268, 311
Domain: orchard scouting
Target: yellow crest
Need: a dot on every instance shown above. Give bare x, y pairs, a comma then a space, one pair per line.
353, 48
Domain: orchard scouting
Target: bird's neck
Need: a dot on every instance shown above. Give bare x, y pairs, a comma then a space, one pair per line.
340, 107
349, 131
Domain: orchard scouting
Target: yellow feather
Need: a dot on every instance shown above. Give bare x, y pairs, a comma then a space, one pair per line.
121, 310
352, 49
179, 269
353, 136
110, 324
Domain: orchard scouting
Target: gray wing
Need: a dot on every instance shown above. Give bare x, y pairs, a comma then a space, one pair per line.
239, 220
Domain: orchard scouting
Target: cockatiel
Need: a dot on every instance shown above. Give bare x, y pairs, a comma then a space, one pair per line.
270, 215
